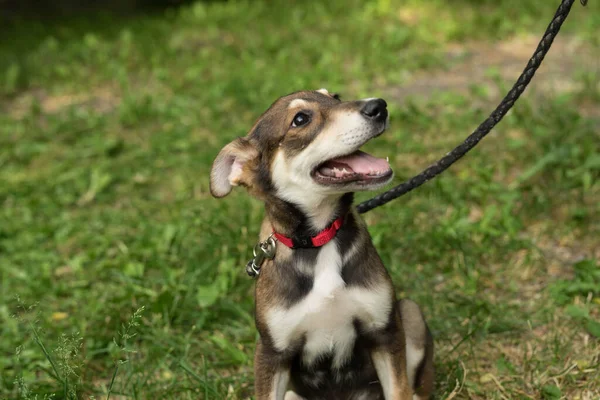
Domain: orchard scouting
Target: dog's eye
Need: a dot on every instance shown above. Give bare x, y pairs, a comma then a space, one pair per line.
300, 119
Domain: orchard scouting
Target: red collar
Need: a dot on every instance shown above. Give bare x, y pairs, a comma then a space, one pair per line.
321, 239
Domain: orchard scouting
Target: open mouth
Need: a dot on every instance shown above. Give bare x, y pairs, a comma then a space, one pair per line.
358, 167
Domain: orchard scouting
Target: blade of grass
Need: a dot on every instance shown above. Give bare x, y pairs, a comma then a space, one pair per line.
202, 382
39, 342
112, 381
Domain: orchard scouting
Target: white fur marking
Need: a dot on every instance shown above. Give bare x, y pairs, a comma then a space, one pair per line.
292, 396
297, 103
280, 382
414, 356
358, 244
327, 313
383, 366
301, 189
323, 91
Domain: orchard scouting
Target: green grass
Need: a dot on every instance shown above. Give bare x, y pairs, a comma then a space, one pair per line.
121, 277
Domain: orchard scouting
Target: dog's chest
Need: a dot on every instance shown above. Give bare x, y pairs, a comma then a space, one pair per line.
325, 317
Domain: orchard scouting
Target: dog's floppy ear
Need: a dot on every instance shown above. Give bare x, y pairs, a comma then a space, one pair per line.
228, 168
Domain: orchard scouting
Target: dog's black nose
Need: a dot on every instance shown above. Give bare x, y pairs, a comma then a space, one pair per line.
375, 109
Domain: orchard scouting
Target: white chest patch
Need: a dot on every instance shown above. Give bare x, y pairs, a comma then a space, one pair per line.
325, 316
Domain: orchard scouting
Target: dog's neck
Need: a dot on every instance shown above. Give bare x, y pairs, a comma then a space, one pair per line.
301, 220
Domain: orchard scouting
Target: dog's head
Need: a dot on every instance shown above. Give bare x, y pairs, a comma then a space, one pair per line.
304, 149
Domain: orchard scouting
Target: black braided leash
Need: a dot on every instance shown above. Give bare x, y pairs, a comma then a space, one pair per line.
487, 125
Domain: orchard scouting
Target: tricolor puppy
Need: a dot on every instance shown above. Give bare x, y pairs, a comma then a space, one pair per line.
330, 326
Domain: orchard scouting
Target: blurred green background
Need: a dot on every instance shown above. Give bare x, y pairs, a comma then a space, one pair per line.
121, 277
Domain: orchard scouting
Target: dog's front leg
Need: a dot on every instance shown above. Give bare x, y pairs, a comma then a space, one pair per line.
391, 371
271, 377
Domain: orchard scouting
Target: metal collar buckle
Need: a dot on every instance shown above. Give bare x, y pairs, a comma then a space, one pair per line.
262, 251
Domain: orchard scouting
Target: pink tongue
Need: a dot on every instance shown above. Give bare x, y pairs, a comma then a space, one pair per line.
363, 163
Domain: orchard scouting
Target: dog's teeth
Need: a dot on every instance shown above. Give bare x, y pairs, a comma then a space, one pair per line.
326, 171
387, 159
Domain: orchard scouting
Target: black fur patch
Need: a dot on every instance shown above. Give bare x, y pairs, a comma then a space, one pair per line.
294, 284
321, 381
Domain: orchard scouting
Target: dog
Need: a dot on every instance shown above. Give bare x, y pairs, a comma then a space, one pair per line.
329, 322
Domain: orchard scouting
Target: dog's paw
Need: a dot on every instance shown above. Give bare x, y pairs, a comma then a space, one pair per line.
292, 396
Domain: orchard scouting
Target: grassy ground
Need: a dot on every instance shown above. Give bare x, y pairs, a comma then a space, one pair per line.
121, 277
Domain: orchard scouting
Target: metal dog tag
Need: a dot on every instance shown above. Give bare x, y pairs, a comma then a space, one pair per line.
262, 251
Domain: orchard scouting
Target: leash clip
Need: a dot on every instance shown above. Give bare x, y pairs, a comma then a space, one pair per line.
262, 250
